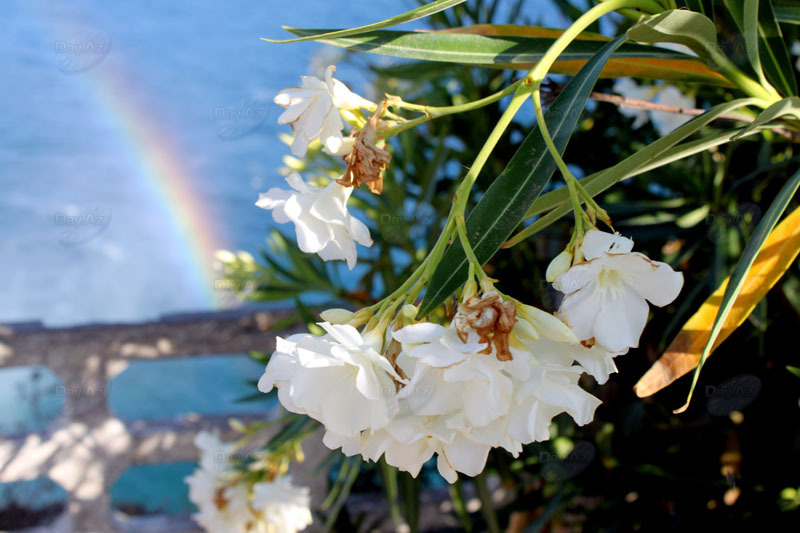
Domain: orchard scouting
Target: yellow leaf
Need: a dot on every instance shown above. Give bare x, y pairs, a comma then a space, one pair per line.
682, 356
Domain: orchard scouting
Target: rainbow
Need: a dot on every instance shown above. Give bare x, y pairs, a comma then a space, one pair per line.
160, 164
165, 175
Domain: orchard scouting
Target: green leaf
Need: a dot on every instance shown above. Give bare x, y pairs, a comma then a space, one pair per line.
751, 44
777, 61
521, 51
507, 200
701, 6
788, 14
787, 106
659, 153
344, 492
415, 14
774, 57
762, 231
677, 26
634, 164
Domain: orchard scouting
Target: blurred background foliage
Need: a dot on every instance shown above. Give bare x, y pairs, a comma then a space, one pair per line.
649, 470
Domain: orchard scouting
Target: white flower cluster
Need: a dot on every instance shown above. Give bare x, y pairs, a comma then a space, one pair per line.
322, 222
227, 504
495, 377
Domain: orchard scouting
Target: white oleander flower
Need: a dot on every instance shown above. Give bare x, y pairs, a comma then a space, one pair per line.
558, 344
465, 378
669, 95
225, 503
283, 507
410, 440
339, 379
606, 296
323, 224
221, 507
313, 112
461, 400
628, 88
665, 122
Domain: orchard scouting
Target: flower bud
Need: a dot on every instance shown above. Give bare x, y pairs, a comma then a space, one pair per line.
558, 266
336, 316
409, 311
470, 289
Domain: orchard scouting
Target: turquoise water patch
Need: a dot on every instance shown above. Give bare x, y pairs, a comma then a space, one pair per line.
32, 503
205, 385
31, 396
154, 489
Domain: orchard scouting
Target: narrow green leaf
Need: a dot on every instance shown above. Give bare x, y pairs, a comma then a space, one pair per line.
787, 106
415, 14
605, 178
659, 153
700, 6
788, 14
521, 52
507, 200
347, 486
774, 57
752, 249
774, 54
751, 44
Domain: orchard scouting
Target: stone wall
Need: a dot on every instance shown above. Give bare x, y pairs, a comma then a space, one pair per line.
88, 448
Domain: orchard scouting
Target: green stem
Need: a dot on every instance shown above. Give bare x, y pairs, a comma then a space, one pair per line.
742, 80
459, 505
430, 112
487, 508
462, 235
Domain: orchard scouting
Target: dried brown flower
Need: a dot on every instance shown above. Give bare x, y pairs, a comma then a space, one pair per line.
491, 318
366, 162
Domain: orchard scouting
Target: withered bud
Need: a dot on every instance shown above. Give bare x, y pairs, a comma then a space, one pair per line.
366, 163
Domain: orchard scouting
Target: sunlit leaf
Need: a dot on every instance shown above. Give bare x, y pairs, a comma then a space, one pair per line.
677, 26
774, 257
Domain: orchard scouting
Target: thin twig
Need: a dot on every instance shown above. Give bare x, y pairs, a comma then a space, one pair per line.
621, 101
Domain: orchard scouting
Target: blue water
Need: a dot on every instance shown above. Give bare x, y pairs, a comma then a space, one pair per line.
62, 153
184, 66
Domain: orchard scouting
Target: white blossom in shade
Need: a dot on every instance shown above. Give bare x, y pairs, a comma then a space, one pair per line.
339, 379
665, 122
606, 296
226, 504
313, 111
796, 52
627, 88
322, 223
284, 508
669, 95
